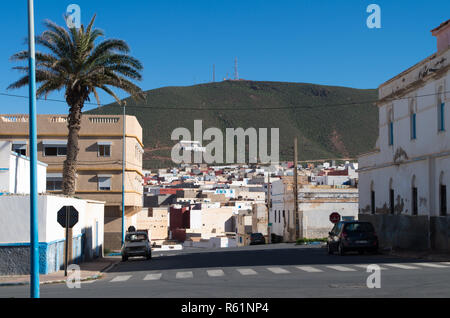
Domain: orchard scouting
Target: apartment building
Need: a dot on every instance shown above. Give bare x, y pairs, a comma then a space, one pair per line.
99, 175
403, 182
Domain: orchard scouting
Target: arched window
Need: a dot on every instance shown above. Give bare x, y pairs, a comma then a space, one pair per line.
412, 116
390, 122
442, 195
414, 196
441, 108
391, 197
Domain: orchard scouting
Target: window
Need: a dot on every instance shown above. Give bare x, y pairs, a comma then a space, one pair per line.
443, 199
54, 181
390, 127
391, 200
413, 126
104, 183
19, 148
412, 112
104, 150
372, 202
54, 148
442, 116
414, 201
441, 109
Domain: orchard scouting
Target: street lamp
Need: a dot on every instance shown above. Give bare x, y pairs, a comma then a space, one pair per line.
34, 234
123, 174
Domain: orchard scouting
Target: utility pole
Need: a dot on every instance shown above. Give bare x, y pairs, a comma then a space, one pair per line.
214, 73
123, 173
236, 74
268, 208
34, 231
296, 216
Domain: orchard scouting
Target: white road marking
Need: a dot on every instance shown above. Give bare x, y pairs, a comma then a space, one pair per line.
215, 272
246, 271
402, 266
122, 278
278, 270
182, 275
365, 266
342, 268
445, 263
431, 265
309, 269
153, 276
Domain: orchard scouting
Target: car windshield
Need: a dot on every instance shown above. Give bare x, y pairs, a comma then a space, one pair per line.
136, 237
256, 235
359, 227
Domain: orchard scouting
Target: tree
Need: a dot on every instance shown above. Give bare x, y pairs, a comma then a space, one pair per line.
76, 64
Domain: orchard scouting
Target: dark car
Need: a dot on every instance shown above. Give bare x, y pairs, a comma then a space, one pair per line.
352, 236
257, 238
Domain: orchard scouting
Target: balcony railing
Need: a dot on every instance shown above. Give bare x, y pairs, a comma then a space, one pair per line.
104, 120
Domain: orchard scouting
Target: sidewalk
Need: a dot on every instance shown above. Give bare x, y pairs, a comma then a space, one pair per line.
89, 271
425, 255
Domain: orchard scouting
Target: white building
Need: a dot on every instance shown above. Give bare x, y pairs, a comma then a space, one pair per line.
315, 204
403, 182
15, 170
87, 234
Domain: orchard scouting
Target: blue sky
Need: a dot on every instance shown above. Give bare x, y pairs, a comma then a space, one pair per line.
323, 42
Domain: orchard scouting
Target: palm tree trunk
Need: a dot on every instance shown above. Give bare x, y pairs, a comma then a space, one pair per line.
70, 164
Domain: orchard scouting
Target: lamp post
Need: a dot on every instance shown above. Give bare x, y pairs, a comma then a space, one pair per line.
123, 175
34, 234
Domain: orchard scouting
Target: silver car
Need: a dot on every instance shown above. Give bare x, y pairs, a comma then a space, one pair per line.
136, 244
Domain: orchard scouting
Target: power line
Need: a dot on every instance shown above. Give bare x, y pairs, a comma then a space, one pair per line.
238, 108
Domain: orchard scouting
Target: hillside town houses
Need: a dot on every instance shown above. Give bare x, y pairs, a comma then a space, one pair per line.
401, 187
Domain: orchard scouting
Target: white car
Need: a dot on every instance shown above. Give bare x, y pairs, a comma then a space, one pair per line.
136, 244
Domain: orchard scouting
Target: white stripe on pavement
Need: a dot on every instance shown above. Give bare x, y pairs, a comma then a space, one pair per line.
246, 271
182, 275
342, 268
402, 266
309, 269
153, 276
278, 270
431, 265
122, 278
445, 263
365, 266
215, 272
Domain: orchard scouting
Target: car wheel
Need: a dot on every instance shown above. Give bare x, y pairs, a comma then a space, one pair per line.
330, 251
341, 250
124, 258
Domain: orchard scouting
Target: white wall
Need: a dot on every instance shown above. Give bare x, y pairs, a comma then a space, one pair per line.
15, 218
15, 172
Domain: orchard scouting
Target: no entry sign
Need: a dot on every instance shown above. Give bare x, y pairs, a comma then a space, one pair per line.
335, 217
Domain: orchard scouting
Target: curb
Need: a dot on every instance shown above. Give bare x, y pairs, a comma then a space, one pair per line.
92, 277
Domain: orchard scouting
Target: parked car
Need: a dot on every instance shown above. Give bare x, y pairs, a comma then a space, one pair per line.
136, 244
257, 238
352, 236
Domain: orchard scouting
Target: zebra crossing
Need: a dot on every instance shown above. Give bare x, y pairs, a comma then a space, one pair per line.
277, 270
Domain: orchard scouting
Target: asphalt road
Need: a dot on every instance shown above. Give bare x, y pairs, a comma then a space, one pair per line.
272, 271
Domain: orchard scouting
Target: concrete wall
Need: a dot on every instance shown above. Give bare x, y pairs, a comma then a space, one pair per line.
15, 172
14, 232
410, 232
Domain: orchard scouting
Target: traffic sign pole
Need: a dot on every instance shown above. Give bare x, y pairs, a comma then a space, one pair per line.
67, 241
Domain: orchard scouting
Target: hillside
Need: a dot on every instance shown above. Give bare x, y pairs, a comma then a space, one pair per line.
331, 122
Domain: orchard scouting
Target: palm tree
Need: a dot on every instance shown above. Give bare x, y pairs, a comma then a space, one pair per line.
76, 64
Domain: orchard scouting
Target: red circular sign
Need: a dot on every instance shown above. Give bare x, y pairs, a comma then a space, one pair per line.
335, 217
